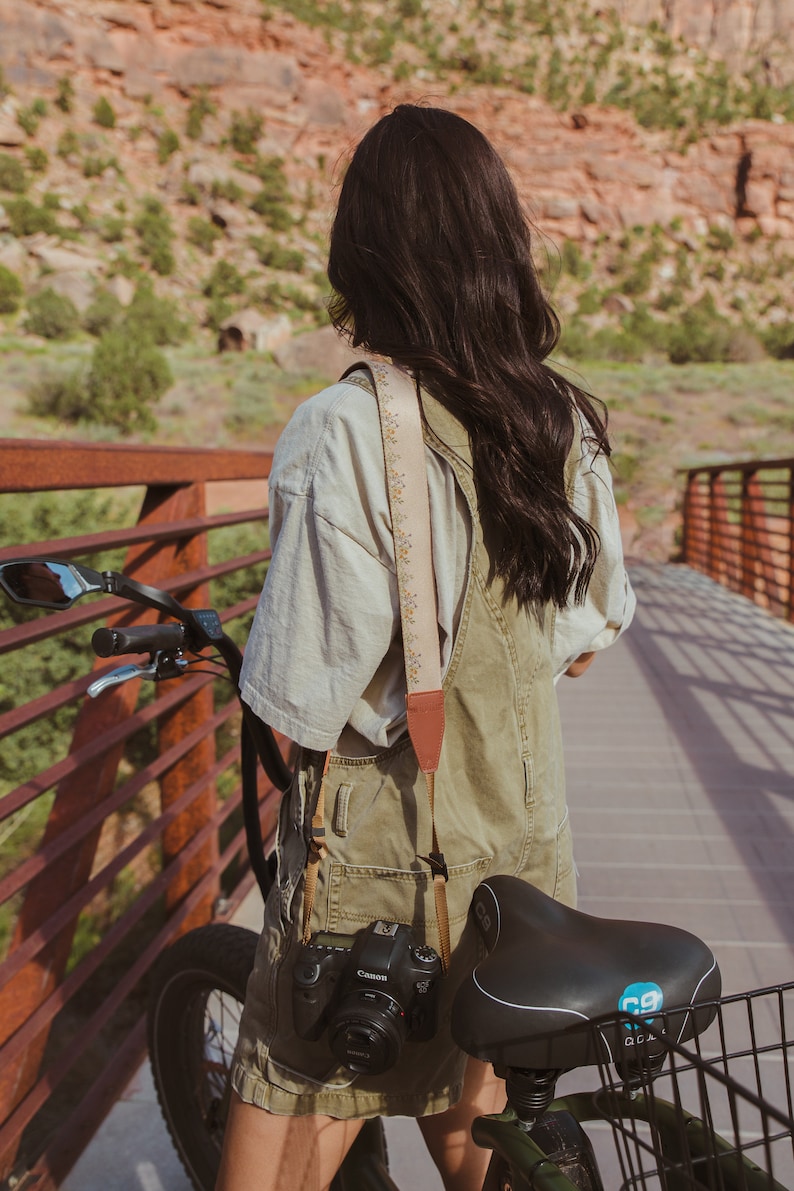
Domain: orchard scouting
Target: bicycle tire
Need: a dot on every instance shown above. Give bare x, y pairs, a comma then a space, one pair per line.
194, 1007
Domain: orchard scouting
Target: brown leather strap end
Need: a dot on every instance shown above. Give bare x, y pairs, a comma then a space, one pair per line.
426, 727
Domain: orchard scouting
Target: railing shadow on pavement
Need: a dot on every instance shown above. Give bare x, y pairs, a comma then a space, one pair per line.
723, 675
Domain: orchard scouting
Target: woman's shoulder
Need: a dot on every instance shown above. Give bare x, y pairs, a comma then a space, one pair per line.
339, 423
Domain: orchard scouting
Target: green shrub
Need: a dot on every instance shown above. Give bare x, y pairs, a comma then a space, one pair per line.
10, 291
200, 107
245, 129
224, 280
12, 174
227, 188
218, 310
112, 229
274, 213
167, 145
25, 218
52, 315
68, 143
64, 98
156, 319
779, 340
275, 256
104, 114
104, 313
127, 375
94, 165
38, 159
203, 233
28, 119
156, 236
701, 335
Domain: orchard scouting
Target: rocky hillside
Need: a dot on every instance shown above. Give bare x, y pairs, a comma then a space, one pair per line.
162, 137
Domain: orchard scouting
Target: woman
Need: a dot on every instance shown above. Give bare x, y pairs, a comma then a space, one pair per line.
430, 266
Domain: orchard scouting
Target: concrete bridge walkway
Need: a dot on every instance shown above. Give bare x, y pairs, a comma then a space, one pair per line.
680, 761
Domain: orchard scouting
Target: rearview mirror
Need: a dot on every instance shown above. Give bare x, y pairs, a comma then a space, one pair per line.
48, 583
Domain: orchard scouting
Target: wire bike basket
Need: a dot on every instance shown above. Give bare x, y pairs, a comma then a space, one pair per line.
718, 1117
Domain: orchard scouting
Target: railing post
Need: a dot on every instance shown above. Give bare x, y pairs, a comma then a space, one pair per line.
189, 555
790, 605
747, 555
688, 516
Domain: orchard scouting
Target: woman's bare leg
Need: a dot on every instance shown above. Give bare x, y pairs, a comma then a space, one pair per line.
265, 1152
448, 1134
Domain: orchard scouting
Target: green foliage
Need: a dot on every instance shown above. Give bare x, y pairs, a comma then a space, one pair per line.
274, 256
112, 229
104, 313
572, 260
103, 112
156, 236
779, 340
95, 164
64, 99
228, 189
167, 145
200, 107
126, 376
68, 143
37, 158
245, 129
156, 319
28, 118
12, 174
10, 291
224, 280
702, 334
204, 234
29, 517
52, 315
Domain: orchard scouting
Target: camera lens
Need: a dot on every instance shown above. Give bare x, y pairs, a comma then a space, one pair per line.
367, 1031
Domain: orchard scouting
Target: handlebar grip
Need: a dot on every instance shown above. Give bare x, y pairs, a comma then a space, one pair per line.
144, 638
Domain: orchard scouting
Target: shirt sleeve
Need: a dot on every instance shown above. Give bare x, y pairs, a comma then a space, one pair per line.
609, 605
328, 610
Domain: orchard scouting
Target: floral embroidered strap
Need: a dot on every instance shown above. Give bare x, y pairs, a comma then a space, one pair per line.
406, 480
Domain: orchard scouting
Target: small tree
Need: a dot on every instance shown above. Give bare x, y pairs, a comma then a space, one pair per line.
52, 315
12, 174
10, 291
104, 313
245, 129
104, 114
64, 98
128, 374
167, 145
156, 236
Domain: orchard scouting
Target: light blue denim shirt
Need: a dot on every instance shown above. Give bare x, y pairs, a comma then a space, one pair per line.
324, 658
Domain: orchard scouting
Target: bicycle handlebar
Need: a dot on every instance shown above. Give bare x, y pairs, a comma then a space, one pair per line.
145, 638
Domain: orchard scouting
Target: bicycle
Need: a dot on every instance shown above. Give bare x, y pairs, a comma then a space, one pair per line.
511, 1011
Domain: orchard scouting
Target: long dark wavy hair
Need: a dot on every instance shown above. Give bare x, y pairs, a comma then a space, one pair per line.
430, 265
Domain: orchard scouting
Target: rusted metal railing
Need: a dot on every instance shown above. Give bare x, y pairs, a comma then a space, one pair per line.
739, 529
135, 845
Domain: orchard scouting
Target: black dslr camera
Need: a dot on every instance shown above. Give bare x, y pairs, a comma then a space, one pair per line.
373, 990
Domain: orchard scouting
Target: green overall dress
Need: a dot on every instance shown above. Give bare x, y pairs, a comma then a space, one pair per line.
500, 808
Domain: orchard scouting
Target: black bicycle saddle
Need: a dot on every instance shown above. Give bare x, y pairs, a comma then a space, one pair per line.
550, 970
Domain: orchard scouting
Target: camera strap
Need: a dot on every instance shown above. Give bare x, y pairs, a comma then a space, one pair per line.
406, 480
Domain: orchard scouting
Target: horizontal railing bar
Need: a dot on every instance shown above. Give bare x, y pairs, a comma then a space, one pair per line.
69, 910
751, 465
23, 1114
28, 713
33, 465
48, 853
44, 781
92, 543
110, 940
61, 622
